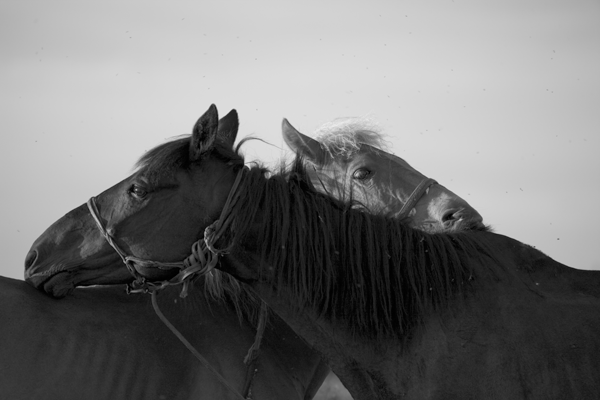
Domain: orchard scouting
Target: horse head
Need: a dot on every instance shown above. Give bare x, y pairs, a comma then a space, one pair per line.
346, 166
142, 215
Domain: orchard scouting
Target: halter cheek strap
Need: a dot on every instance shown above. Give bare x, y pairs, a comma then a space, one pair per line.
129, 260
203, 259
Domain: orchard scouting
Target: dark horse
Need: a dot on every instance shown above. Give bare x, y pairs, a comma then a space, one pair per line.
102, 344
402, 179
396, 312
285, 368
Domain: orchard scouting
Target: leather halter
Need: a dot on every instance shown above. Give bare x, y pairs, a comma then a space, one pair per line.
415, 196
419, 191
203, 259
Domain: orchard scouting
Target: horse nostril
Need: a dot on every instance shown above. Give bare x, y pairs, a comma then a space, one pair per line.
30, 259
451, 215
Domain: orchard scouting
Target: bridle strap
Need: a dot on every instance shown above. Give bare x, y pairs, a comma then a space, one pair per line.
415, 196
214, 231
412, 200
203, 259
191, 348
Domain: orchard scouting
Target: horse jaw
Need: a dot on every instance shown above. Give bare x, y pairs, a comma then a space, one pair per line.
59, 277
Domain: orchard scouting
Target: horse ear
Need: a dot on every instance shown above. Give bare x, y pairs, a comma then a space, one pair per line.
305, 146
228, 128
204, 133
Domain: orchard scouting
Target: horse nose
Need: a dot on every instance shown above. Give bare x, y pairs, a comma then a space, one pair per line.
30, 263
463, 219
466, 218
30, 259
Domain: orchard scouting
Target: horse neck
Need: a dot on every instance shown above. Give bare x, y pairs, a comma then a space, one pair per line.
353, 359
234, 310
334, 257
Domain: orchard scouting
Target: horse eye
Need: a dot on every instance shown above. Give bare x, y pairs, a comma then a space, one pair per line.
138, 191
361, 174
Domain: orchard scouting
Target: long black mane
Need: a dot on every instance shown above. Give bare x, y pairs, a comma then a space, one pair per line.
374, 273
164, 160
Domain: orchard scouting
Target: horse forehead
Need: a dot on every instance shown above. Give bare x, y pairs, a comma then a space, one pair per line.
365, 156
155, 177
387, 164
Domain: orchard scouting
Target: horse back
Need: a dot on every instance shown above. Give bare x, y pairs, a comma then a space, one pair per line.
101, 343
528, 329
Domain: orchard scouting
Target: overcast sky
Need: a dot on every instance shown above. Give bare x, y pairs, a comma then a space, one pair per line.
499, 101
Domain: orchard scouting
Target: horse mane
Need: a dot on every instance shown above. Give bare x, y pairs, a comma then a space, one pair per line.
164, 160
343, 137
375, 274
172, 155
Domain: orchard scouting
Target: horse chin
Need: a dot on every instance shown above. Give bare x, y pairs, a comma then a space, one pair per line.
465, 224
57, 286
429, 226
455, 225
56, 283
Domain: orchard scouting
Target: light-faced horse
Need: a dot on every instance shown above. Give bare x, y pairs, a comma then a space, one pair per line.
103, 344
396, 312
346, 161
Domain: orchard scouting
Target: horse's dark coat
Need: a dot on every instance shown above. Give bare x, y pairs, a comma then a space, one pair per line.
445, 316
102, 344
477, 304
288, 368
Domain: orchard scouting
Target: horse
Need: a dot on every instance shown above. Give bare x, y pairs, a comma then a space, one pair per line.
346, 161
103, 344
396, 312
227, 125
288, 370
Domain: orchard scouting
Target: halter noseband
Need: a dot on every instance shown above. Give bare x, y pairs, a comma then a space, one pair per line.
415, 196
203, 257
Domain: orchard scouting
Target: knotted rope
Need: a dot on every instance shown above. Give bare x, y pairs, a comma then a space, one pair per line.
203, 259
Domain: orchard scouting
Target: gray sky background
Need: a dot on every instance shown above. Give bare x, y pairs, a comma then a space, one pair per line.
498, 101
